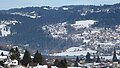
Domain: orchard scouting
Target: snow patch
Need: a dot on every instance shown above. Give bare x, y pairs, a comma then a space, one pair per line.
74, 53
72, 49
83, 24
65, 8
46, 8
4, 52
41, 66
31, 14
5, 29
83, 14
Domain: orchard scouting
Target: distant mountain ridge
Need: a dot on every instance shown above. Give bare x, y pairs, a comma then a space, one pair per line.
30, 21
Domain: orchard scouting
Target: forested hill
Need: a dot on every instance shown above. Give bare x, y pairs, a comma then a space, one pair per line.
50, 28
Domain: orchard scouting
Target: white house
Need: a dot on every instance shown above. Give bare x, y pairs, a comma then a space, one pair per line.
3, 58
11, 63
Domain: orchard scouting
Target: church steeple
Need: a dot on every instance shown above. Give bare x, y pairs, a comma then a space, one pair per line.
114, 56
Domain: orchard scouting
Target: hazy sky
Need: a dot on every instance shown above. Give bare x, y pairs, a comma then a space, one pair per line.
7, 4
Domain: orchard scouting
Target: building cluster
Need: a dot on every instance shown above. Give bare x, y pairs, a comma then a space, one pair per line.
98, 62
101, 39
88, 61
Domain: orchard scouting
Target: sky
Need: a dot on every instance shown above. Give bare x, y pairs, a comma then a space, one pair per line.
8, 4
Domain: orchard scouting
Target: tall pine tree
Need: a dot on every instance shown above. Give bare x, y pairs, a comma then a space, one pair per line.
2, 54
37, 58
63, 64
57, 63
88, 57
17, 53
14, 54
76, 61
98, 59
26, 58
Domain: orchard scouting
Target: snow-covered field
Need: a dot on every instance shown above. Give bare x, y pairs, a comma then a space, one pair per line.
74, 51
83, 23
78, 53
4, 52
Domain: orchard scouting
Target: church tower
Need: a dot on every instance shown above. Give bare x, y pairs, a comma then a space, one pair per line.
115, 60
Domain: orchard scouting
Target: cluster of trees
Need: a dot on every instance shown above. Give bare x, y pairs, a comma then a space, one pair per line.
95, 59
60, 63
87, 59
15, 55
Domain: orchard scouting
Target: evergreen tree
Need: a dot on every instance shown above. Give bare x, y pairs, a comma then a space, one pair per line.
94, 58
88, 57
65, 60
63, 64
11, 53
26, 58
14, 54
98, 59
2, 54
57, 63
76, 61
37, 58
17, 54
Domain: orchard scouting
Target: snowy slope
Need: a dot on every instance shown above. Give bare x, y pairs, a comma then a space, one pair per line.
59, 30
30, 15
4, 52
84, 53
83, 23
72, 49
74, 53
4, 28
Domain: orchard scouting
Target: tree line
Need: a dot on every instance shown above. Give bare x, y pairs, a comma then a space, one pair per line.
15, 55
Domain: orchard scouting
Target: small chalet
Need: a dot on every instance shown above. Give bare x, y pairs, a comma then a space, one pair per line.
12, 63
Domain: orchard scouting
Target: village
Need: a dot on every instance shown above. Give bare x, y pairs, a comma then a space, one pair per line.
60, 34
14, 59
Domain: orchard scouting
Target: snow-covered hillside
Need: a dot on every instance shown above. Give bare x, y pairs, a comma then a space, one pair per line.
31, 14
59, 30
56, 30
5, 29
74, 51
4, 52
102, 39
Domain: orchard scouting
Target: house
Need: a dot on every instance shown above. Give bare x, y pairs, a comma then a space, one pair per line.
31, 65
3, 58
36, 65
11, 63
